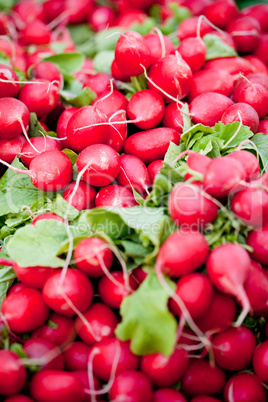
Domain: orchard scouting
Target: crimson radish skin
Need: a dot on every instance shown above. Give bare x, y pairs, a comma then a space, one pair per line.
261, 79
155, 46
257, 64
241, 25
34, 277
173, 117
256, 287
221, 12
82, 375
244, 386
188, 28
251, 206
101, 17
83, 198
38, 348
154, 168
133, 174
197, 162
8, 88
133, 386
168, 395
62, 125
47, 71
193, 51
9, 149
233, 65
209, 116
204, 398
14, 115
249, 161
98, 83
115, 196
256, 95
112, 103
259, 12
257, 240
12, 373
242, 112
261, 50
47, 216
42, 144
260, 361
19, 398
35, 33
117, 131
76, 356
263, 126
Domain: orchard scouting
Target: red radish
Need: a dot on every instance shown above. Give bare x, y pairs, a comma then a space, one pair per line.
52, 10
254, 78
251, 206
244, 113
58, 330
197, 7
9, 149
12, 373
35, 33
223, 175
260, 361
116, 197
133, 174
256, 287
259, 12
168, 395
47, 71
83, 198
159, 45
173, 117
257, 64
257, 240
221, 12
109, 353
113, 291
263, 126
15, 118
225, 37
182, 253
202, 379
139, 274
78, 11
117, 132
146, 109
193, 51
98, 83
76, 356
92, 256
190, 207
28, 11
40, 96
244, 386
8, 89
82, 375
171, 77
198, 163
202, 112
151, 144
111, 102
99, 164
245, 32
219, 316
33, 277
19, 398
228, 268
24, 310
38, 55
165, 371
249, 162
78, 137
75, 288
41, 144
129, 16
53, 386
102, 320
154, 168
48, 216
233, 65
261, 50
117, 74
131, 386
188, 28
233, 349
204, 398
101, 18
210, 80
196, 292
131, 52
62, 125
48, 353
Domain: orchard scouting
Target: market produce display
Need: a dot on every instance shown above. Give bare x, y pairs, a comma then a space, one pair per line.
133, 201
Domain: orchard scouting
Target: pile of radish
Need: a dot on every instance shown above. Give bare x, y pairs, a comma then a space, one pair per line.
133, 201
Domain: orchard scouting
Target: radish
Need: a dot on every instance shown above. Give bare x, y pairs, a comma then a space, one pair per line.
35, 33
9, 149
220, 314
261, 50
139, 275
256, 287
210, 80
159, 45
12, 373
233, 65
131, 386
251, 206
112, 355
154, 168
55, 386
36, 146
131, 52
34, 277
111, 102
233, 349
41, 96
116, 197
117, 74
19, 398
190, 207
117, 131
226, 38
24, 310
165, 371
259, 12
222, 176
49, 354
48, 216
254, 78
82, 375
260, 361
193, 51
209, 116
100, 83
113, 290
76, 290
146, 109
257, 240
101, 18
8, 89
201, 378
171, 77
129, 17
133, 174
228, 268
244, 386
102, 320
188, 28
76, 356
151, 144
62, 125
173, 117
47, 71
182, 253
257, 64
263, 126
168, 395
15, 118
83, 198
59, 330
221, 12
249, 161
99, 164
256, 95
79, 135
27, 11
198, 163
204, 398
242, 112
78, 12
245, 32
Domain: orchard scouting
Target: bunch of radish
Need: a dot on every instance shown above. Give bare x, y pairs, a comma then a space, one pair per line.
103, 147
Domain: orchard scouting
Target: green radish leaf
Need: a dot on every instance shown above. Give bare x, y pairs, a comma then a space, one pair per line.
261, 145
145, 27
80, 34
232, 135
36, 130
173, 151
198, 128
74, 94
146, 319
68, 63
102, 61
71, 155
180, 13
187, 123
64, 209
217, 48
7, 277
